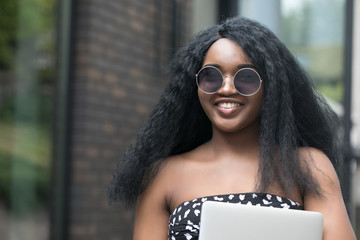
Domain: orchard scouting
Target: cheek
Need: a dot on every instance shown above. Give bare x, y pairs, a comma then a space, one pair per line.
204, 100
201, 98
259, 101
256, 102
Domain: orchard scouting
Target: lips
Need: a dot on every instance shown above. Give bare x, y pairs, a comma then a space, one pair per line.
228, 104
228, 108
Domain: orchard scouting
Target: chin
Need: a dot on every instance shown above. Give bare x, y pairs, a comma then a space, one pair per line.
236, 127
229, 129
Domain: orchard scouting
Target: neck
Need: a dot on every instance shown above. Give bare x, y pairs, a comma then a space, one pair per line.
238, 144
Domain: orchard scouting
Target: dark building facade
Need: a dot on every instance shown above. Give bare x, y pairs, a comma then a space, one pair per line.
118, 53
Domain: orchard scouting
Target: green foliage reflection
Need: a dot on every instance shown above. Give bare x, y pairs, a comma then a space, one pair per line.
27, 53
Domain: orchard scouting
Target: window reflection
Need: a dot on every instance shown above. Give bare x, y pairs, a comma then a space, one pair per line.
313, 30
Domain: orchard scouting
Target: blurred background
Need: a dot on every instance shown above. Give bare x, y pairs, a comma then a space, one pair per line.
78, 79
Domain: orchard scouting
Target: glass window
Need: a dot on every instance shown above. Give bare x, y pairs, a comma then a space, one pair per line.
27, 49
314, 31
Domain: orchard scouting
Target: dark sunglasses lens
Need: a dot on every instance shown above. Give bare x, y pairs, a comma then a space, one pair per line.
209, 80
247, 82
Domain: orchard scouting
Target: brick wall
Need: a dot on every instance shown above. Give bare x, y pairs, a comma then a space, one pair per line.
120, 48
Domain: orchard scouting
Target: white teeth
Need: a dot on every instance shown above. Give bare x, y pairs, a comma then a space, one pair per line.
229, 105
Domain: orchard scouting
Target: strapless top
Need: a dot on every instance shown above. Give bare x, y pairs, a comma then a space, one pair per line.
184, 222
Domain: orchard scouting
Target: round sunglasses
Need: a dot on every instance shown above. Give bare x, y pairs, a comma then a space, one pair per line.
246, 81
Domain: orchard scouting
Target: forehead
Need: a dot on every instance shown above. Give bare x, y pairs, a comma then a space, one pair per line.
226, 52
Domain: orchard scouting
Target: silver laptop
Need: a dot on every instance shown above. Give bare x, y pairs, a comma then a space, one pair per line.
238, 221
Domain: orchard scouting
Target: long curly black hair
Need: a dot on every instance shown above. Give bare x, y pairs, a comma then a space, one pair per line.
293, 115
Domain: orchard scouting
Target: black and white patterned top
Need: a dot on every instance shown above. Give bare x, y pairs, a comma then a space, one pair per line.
184, 222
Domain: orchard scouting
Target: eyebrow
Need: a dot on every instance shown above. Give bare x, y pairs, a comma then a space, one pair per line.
240, 66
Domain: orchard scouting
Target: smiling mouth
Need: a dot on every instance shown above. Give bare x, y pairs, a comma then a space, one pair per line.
228, 105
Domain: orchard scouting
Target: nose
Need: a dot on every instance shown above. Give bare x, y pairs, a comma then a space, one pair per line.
228, 86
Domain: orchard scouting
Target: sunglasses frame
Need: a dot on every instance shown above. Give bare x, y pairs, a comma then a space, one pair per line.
233, 79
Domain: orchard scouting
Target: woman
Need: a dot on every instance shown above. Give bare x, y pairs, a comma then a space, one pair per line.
239, 122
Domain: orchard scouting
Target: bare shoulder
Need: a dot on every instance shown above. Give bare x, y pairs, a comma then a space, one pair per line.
168, 173
319, 164
153, 205
322, 171
330, 203
152, 209
160, 182
315, 156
